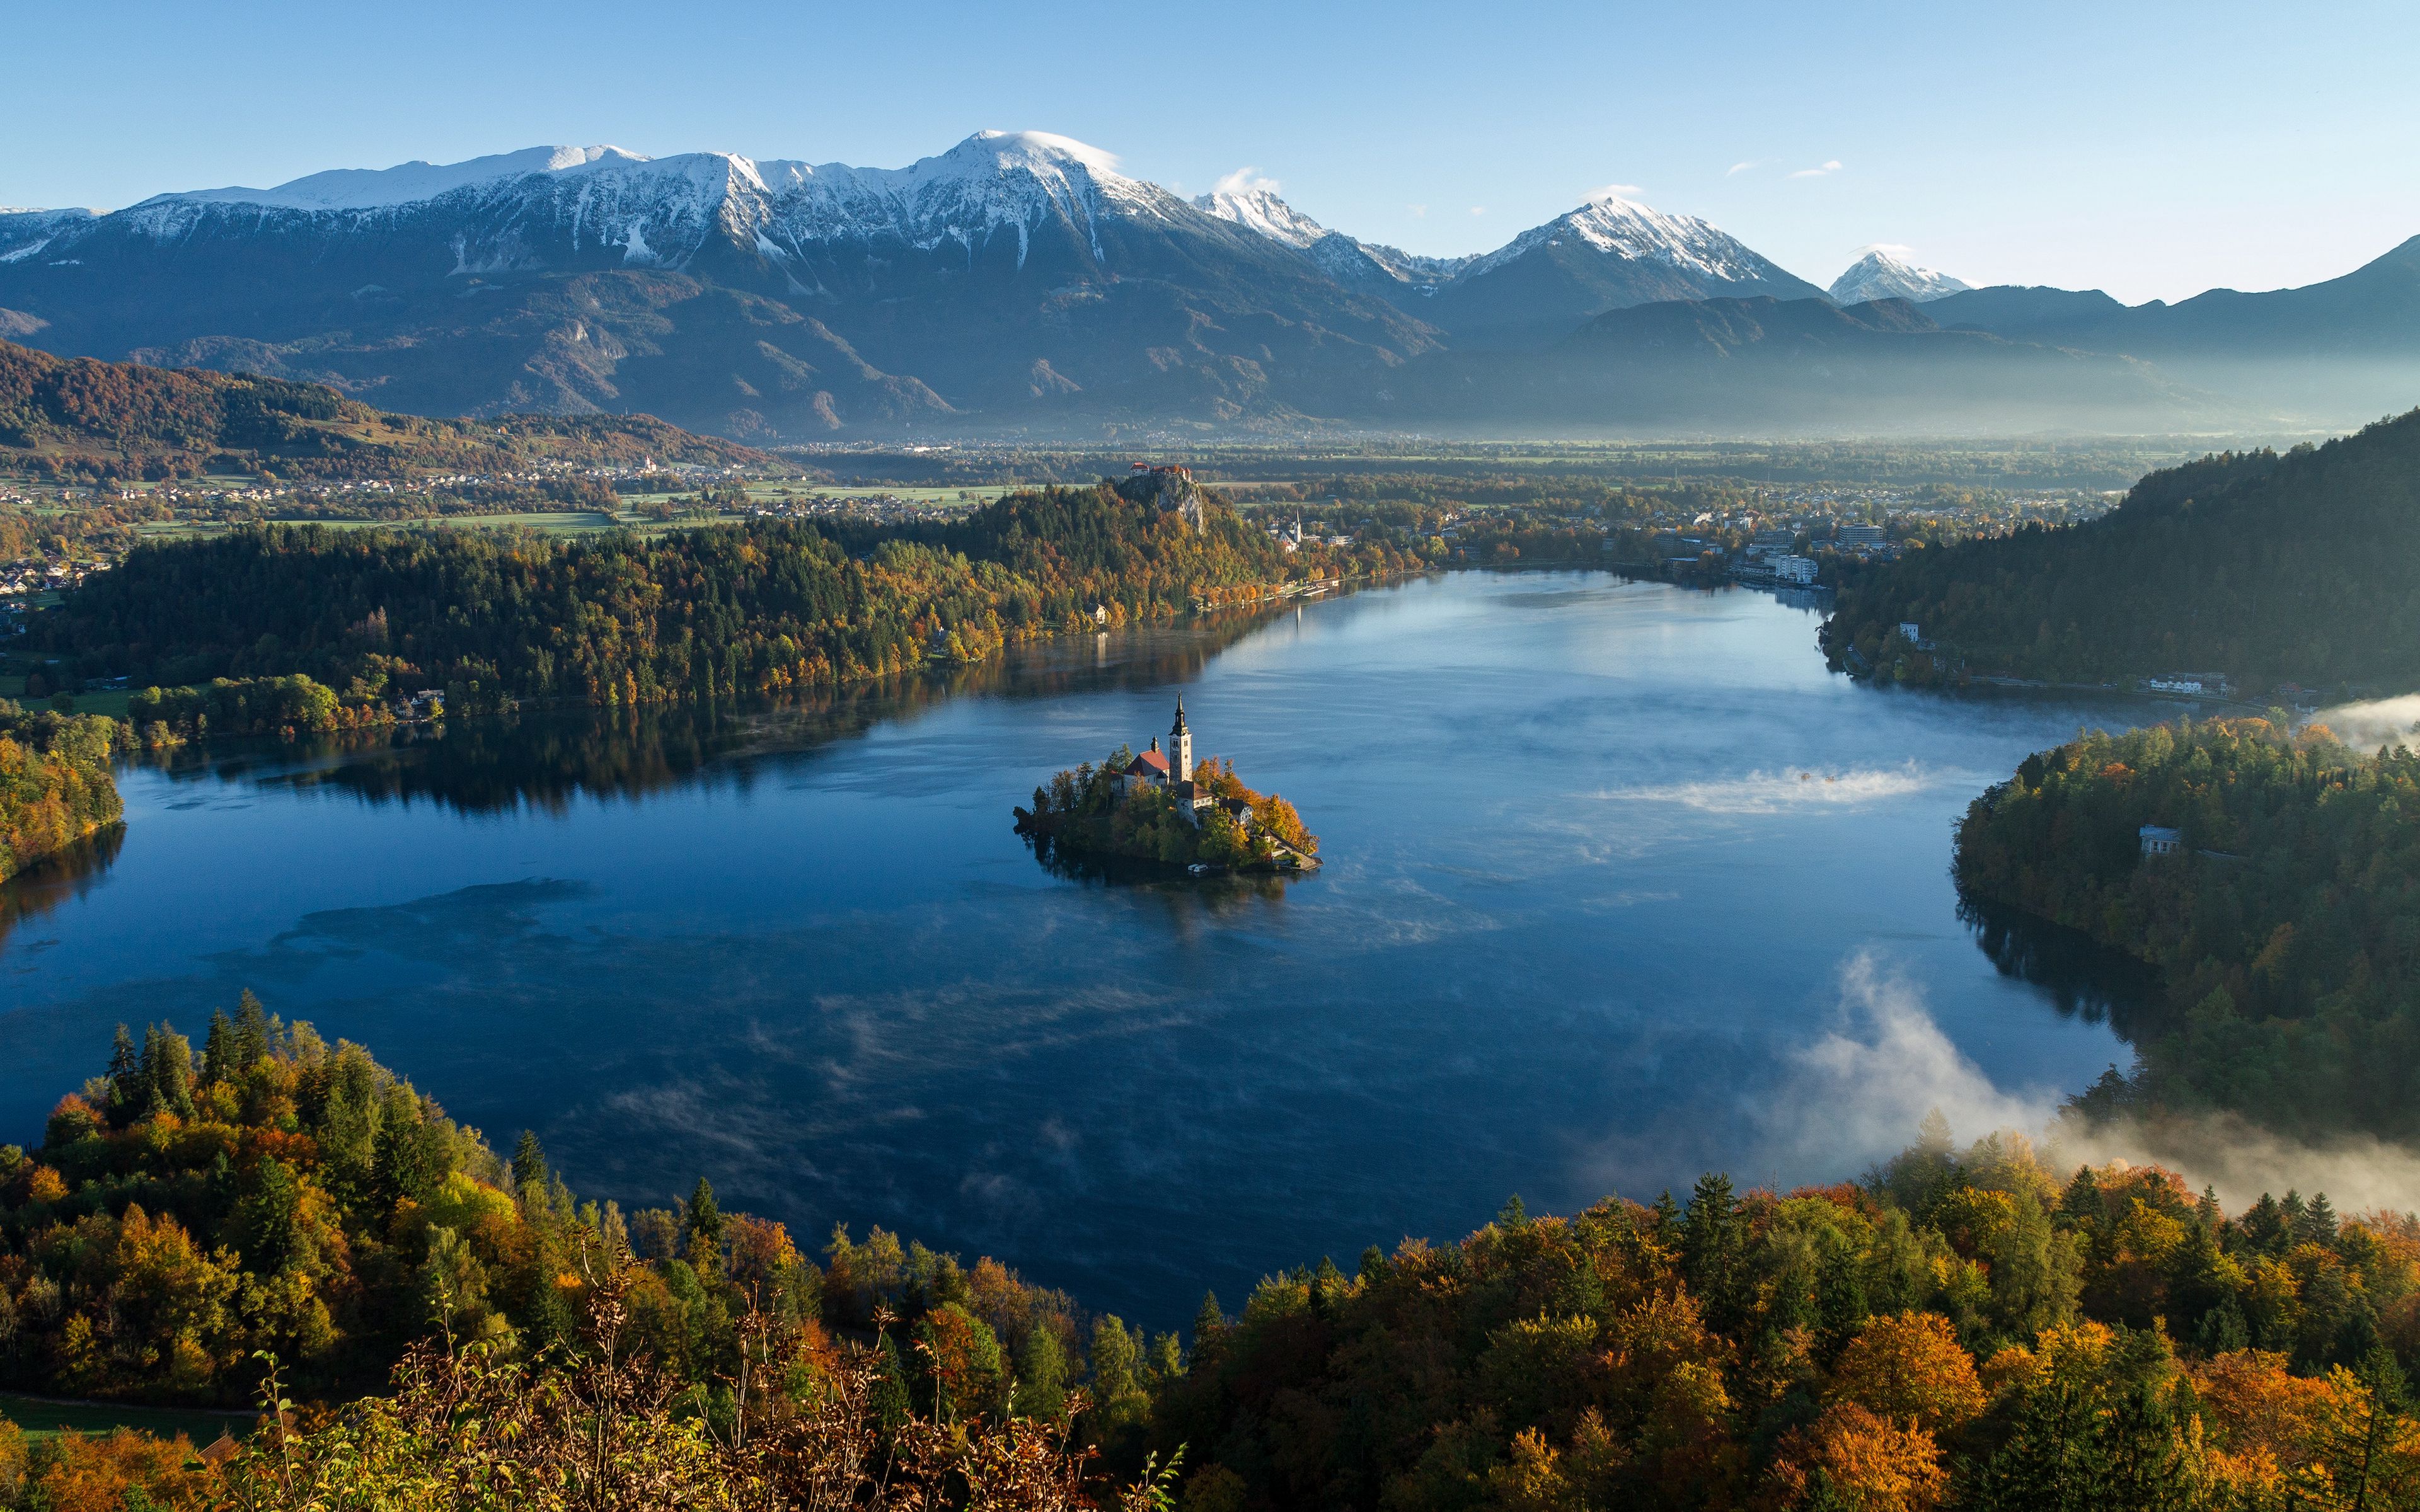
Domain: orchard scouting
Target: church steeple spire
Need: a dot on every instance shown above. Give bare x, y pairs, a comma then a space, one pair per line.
1180, 748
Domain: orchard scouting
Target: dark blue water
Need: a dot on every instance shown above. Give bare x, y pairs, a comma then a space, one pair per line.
1622, 885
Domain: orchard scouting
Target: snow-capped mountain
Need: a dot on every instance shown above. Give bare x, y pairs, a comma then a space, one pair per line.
1607, 254
1257, 208
762, 298
1633, 232
24, 233
1356, 264
1018, 282
665, 212
1880, 274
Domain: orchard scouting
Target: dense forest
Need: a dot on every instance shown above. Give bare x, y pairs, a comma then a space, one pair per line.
1964, 1328
492, 617
55, 787
81, 416
1084, 810
2262, 566
2287, 925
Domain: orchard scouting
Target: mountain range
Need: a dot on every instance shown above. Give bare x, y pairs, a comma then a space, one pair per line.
1020, 283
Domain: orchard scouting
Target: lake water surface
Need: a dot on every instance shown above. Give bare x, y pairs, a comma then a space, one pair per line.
1621, 884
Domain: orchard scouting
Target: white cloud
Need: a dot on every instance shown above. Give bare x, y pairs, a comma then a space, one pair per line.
1888, 249
1860, 1090
1614, 192
1831, 167
1859, 1093
1418, 210
1742, 168
1479, 209
2377, 723
1245, 180
1773, 792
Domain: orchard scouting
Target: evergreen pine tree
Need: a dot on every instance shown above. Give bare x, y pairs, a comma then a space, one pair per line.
2264, 1225
890, 1400
2051, 1460
1041, 1374
702, 1229
1668, 1216
1714, 1245
254, 1033
529, 1163
127, 1091
167, 1072
2319, 1223
2081, 1205
2222, 1329
218, 1048
2145, 1467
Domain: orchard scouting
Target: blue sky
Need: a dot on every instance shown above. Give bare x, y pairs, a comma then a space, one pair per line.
2153, 150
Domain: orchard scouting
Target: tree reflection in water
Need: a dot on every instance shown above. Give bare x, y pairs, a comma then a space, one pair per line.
1221, 895
545, 760
2083, 978
57, 878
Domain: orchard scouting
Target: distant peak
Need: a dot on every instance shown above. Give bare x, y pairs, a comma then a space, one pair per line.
1028, 145
1884, 273
1252, 203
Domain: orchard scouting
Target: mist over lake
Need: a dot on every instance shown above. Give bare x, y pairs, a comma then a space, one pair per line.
1621, 886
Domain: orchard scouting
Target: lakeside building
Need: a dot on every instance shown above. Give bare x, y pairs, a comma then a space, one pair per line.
1799, 570
2159, 840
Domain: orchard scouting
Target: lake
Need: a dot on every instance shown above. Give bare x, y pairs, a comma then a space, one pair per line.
1622, 885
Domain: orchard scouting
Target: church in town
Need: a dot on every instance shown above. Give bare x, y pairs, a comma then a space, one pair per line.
1171, 770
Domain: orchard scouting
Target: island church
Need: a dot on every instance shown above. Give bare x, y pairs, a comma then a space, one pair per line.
1171, 771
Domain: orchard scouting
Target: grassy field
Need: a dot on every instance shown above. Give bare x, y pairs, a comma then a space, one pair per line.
970, 497
43, 1419
110, 701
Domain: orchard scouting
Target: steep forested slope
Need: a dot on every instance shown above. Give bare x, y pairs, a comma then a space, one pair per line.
2297, 566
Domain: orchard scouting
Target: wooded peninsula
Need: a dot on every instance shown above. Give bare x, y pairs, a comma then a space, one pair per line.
2276, 888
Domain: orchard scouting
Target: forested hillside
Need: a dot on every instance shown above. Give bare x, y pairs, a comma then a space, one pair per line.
622, 619
2287, 927
69, 415
1975, 1328
55, 787
2263, 566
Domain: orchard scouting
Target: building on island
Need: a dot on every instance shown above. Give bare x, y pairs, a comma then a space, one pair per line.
1171, 771
2159, 840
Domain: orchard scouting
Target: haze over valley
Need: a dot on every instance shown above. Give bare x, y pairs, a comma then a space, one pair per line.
1020, 286
1580, 759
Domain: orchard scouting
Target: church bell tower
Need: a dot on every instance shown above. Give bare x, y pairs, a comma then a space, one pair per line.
1180, 749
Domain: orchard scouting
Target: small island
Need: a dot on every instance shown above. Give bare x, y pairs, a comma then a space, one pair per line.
1162, 806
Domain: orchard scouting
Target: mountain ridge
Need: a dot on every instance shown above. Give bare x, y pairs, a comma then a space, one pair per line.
1016, 282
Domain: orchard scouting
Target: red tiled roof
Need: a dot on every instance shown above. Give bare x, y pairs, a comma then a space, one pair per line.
1150, 761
